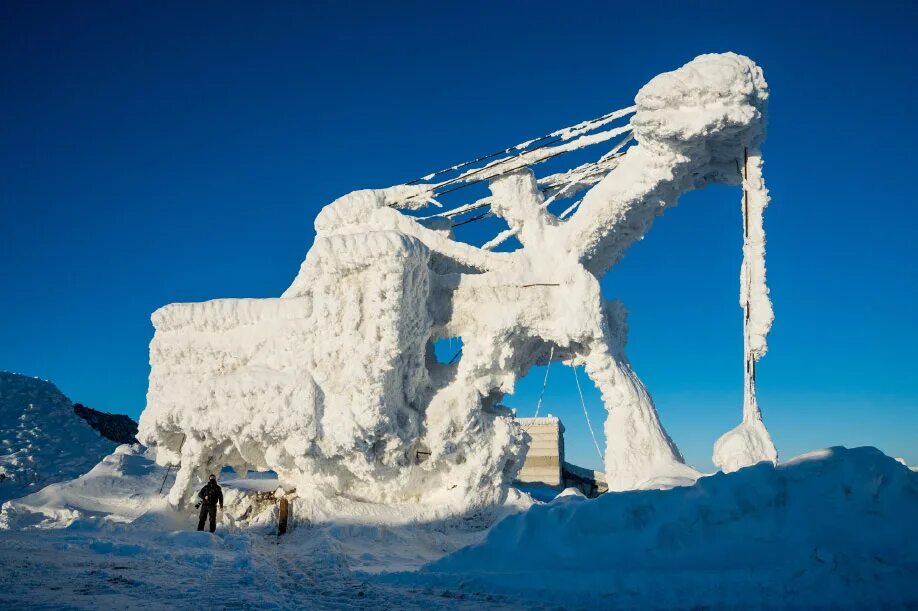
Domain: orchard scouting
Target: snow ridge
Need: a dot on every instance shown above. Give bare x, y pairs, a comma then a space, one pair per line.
824, 530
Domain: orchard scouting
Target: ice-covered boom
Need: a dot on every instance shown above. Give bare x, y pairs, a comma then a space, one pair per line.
334, 384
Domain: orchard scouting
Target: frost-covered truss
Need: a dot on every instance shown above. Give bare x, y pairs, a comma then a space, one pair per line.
335, 385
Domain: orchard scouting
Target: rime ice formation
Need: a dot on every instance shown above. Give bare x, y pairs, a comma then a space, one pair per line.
750, 442
334, 385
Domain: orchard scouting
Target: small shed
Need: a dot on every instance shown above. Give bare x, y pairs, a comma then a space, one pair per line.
545, 464
546, 451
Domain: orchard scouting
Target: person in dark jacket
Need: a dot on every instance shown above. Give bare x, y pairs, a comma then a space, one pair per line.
211, 495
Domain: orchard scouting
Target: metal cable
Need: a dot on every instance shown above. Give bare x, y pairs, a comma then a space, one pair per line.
544, 382
525, 145
587, 415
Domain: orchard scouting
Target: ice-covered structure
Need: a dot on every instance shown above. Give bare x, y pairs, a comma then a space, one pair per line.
334, 385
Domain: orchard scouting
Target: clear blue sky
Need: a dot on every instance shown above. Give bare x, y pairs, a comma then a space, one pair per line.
153, 152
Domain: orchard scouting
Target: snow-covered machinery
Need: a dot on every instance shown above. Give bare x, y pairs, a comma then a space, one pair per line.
335, 385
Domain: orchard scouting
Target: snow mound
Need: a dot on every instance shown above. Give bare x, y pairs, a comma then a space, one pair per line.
573, 492
42, 440
119, 489
831, 529
127, 489
747, 444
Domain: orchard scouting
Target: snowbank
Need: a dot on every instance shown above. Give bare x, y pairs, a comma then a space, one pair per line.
121, 500
832, 528
42, 440
126, 489
828, 529
119, 489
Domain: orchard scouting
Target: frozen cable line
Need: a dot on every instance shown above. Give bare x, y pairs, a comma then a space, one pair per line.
570, 209
499, 239
591, 173
544, 382
529, 157
585, 413
562, 134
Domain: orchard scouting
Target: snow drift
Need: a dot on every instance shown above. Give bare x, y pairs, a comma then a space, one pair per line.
119, 489
334, 385
125, 490
42, 440
829, 529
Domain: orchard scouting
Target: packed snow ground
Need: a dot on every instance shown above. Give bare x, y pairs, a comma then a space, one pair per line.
109, 539
833, 528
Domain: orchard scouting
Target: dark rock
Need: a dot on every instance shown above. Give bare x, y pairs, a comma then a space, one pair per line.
117, 427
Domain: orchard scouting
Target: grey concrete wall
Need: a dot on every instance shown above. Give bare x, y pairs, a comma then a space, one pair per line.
546, 451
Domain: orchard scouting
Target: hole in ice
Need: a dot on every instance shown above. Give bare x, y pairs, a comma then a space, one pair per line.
482, 231
448, 350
